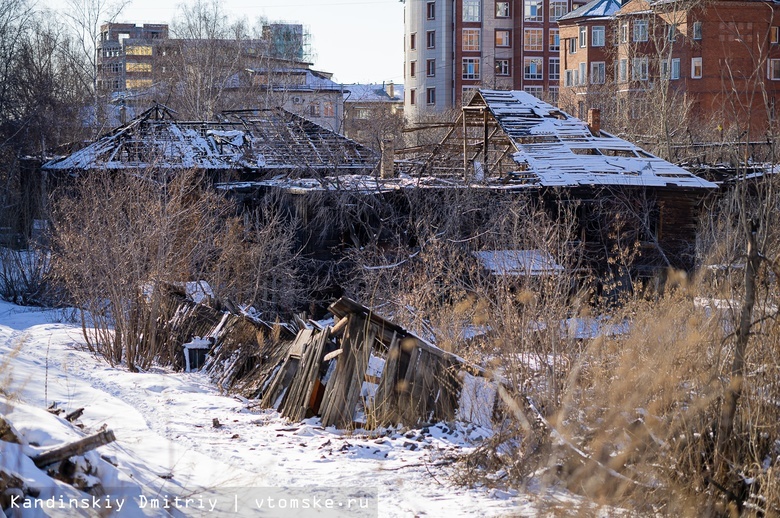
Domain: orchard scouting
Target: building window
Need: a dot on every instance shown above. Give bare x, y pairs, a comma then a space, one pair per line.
552, 95
412, 96
624, 32
502, 9
471, 11
583, 73
557, 9
570, 78
532, 11
623, 70
532, 68
597, 72
138, 67
536, 91
555, 40
412, 69
467, 93
671, 32
413, 41
502, 38
554, 69
774, 34
430, 10
696, 30
314, 109
597, 36
774, 69
675, 68
583, 37
696, 68
327, 109
138, 50
430, 39
639, 69
572, 45
470, 68
640, 30
430, 68
533, 39
503, 67
430, 96
132, 84
471, 39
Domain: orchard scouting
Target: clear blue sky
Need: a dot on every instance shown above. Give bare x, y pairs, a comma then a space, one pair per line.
359, 41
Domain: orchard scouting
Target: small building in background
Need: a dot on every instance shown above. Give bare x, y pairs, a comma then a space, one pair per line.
372, 112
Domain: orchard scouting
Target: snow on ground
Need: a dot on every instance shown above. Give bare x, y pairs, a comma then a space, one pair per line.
167, 444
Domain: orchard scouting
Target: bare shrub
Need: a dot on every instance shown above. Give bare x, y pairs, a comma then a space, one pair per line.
120, 240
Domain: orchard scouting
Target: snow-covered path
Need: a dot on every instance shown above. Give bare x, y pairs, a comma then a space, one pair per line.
167, 443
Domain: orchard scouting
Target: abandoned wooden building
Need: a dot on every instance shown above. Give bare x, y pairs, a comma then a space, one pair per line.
243, 144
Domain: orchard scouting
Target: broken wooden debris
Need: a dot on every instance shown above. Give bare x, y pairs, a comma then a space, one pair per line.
75, 448
363, 371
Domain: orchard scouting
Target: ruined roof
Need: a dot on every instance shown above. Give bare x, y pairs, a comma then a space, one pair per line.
272, 140
556, 149
594, 9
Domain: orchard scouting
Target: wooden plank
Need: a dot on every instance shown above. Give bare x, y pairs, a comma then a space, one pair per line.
385, 401
297, 399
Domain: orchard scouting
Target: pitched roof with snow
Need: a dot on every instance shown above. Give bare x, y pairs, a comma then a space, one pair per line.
594, 9
555, 149
372, 93
253, 140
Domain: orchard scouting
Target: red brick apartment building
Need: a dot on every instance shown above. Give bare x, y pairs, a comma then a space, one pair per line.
712, 66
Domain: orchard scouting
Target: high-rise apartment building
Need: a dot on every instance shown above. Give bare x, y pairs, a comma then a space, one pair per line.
453, 47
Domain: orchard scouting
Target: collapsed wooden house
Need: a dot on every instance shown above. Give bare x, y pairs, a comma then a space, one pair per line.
362, 371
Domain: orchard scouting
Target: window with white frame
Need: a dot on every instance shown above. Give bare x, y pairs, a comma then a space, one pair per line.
430, 38
471, 11
536, 91
671, 32
557, 9
502, 9
467, 93
552, 95
533, 11
774, 69
533, 39
572, 45
430, 10
624, 32
696, 68
413, 41
532, 68
471, 39
623, 70
598, 72
675, 68
570, 78
554, 69
597, 36
555, 40
503, 67
696, 30
583, 37
470, 68
639, 69
583, 73
430, 68
774, 34
314, 109
664, 69
412, 96
640, 30
430, 96
503, 38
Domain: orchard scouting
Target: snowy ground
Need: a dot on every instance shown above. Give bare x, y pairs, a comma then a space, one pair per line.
167, 445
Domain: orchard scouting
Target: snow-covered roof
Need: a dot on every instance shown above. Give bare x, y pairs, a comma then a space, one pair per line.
525, 263
555, 149
373, 93
254, 140
594, 9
